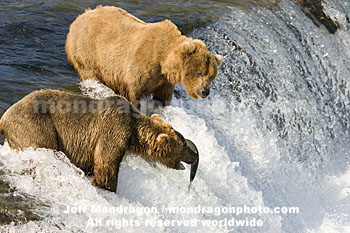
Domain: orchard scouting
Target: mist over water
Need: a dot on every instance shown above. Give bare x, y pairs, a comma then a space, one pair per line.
274, 132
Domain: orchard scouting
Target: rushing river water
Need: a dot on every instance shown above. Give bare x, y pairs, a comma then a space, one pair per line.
273, 133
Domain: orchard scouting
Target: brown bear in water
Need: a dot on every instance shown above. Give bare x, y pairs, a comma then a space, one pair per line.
137, 59
94, 134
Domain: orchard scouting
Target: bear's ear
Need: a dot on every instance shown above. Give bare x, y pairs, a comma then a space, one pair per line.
156, 117
162, 138
188, 47
218, 59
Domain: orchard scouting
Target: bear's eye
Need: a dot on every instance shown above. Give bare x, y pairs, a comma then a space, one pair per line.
199, 74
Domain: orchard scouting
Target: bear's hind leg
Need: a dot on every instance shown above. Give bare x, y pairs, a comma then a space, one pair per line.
106, 166
85, 69
36, 132
87, 74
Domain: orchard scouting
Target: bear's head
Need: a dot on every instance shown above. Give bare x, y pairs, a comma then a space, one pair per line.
170, 147
194, 66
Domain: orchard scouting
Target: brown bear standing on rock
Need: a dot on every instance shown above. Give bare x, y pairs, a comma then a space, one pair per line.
94, 134
137, 59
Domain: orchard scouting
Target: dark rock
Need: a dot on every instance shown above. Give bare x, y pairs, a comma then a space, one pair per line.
314, 10
16, 208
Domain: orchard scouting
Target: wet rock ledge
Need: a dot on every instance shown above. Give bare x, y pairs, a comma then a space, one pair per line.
14, 208
314, 10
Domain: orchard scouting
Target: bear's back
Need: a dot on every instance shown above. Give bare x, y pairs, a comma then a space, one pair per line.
112, 17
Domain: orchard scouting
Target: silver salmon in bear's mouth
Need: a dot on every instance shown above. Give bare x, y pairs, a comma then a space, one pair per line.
194, 166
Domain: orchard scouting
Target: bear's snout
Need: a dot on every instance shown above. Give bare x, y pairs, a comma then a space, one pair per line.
190, 158
203, 92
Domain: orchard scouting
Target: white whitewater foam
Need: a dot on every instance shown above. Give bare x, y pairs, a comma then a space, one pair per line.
95, 89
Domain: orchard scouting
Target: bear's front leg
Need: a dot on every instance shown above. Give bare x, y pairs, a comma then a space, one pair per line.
106, 167
164, 93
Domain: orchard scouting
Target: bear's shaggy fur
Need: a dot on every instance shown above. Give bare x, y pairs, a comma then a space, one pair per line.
137, 59
94, 134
